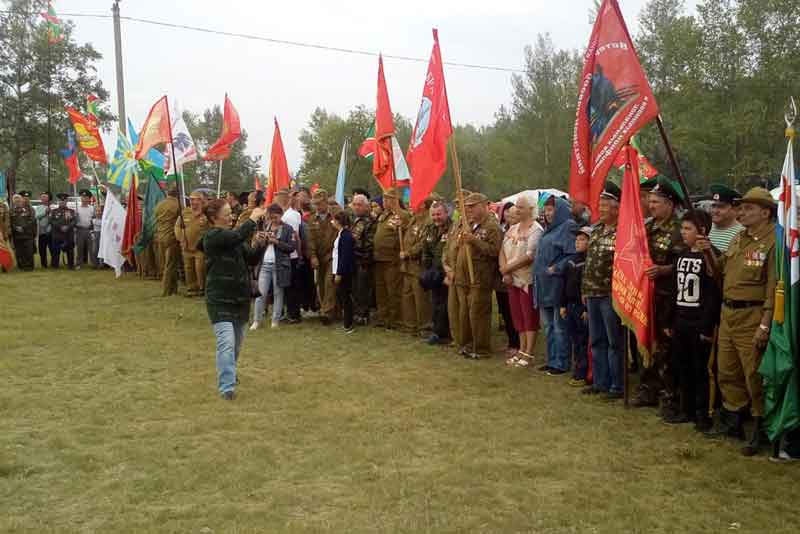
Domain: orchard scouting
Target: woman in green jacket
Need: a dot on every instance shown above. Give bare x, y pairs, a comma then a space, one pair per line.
227, 255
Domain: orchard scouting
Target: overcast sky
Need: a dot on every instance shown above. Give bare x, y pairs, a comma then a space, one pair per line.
266, 80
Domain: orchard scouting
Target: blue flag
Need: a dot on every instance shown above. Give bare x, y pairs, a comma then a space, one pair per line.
342, 175
3, 189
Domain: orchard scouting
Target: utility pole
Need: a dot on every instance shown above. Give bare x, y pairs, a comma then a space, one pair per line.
123, 121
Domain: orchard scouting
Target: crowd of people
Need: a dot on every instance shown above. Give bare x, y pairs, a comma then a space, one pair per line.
434, 273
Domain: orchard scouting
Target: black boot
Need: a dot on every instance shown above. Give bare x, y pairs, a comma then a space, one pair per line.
729, 425
757, 440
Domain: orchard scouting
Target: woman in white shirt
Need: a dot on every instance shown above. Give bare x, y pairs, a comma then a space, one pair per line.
516, 257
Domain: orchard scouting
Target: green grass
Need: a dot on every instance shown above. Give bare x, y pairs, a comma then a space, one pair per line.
110, 423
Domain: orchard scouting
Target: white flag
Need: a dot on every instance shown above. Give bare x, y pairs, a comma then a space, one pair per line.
185, 150
111, 233
401, 173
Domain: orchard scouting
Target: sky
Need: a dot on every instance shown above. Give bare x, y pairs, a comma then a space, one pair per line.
266, 80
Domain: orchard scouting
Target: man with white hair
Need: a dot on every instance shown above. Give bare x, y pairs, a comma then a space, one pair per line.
363, 230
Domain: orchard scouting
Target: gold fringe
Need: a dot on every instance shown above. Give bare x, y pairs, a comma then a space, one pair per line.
778, 315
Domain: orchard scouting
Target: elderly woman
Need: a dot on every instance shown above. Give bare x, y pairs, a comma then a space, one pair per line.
227, 255
516, 257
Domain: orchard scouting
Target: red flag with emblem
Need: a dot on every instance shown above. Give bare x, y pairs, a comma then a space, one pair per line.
631, 288
88, 136
156, 130
278, 168
231, 132
614, 102
383, 159
427, 153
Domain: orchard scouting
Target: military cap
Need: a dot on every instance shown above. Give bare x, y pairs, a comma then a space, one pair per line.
86, 193
759, 196
392, 192
48, 193
585, 230
476, 198
648, 185
198, 194
25, 194
665, 188
62, 196
464, 192
723, 193
611, 191
435, 197
319, 195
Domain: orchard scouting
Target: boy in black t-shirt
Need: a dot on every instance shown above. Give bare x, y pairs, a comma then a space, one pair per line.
695, 314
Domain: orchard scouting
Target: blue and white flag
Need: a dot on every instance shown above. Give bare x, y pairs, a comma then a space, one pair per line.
342, 175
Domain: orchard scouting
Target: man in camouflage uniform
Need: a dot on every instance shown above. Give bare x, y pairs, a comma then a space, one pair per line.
449, 258
665, 244
415, 304
167, 247
236, 207
321, 235
196, 225
748, 293
483, 240
434, 243
363, 230
386, 252
23, 230
605, 328
62, 220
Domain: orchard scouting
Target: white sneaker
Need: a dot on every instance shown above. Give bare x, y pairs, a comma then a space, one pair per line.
255, 326
275, 324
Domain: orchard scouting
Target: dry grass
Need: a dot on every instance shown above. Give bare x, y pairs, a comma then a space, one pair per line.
110, 423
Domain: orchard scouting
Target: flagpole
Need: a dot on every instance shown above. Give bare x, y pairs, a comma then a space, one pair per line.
178, 181
674, 163
219, 180
461, 206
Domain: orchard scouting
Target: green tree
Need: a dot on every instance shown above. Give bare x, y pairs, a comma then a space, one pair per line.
37, 80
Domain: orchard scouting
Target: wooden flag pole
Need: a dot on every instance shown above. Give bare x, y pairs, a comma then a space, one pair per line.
674, 163
461, 207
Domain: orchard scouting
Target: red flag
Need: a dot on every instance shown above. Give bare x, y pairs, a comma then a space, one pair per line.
314, 187
278, 168
157, 128
6, 257
74, 169
614, 102
133, 225
257, 184
631, 289
427, 153
231, 132
646, 169
383, 160
88, 136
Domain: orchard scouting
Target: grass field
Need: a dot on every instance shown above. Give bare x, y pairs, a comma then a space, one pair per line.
110, 423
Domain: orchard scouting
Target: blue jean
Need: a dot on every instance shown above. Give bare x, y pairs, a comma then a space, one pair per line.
605, 332
578, 334
268, 279
555, 331
229, 336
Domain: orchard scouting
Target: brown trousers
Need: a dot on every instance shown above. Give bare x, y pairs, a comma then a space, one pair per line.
194, 266
738, 360
475, 318
388, 286
415, 303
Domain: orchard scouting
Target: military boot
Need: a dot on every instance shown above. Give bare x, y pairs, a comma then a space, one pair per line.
757, 440
644, 397
729, 425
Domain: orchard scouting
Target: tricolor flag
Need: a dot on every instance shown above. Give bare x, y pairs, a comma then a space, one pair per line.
55, 29
779, 365
427, 153
91, 109
614, 102
231, 132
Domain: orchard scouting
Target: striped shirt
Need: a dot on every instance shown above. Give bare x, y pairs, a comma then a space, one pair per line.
721, 238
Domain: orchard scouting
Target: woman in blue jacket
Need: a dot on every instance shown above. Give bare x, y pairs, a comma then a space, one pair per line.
556, 246
343, 267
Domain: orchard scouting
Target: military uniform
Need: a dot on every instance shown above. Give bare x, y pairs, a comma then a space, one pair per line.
475, 299
321, 235
167, 246
665, 245
23, 230
236, 213
193, 258
415, 304
386, 251
363, 230
63, 222
434, 242
5, 221
449, 256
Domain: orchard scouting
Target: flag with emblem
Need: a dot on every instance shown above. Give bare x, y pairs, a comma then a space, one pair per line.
183, 145
614, 101
154, 160
631, 288
152, 197
278, 167
70, 155
122, 170
427, 152
55, 28
156, 129
779, 365
112, 230
133, 225
383, 155
231, 132
88, 136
